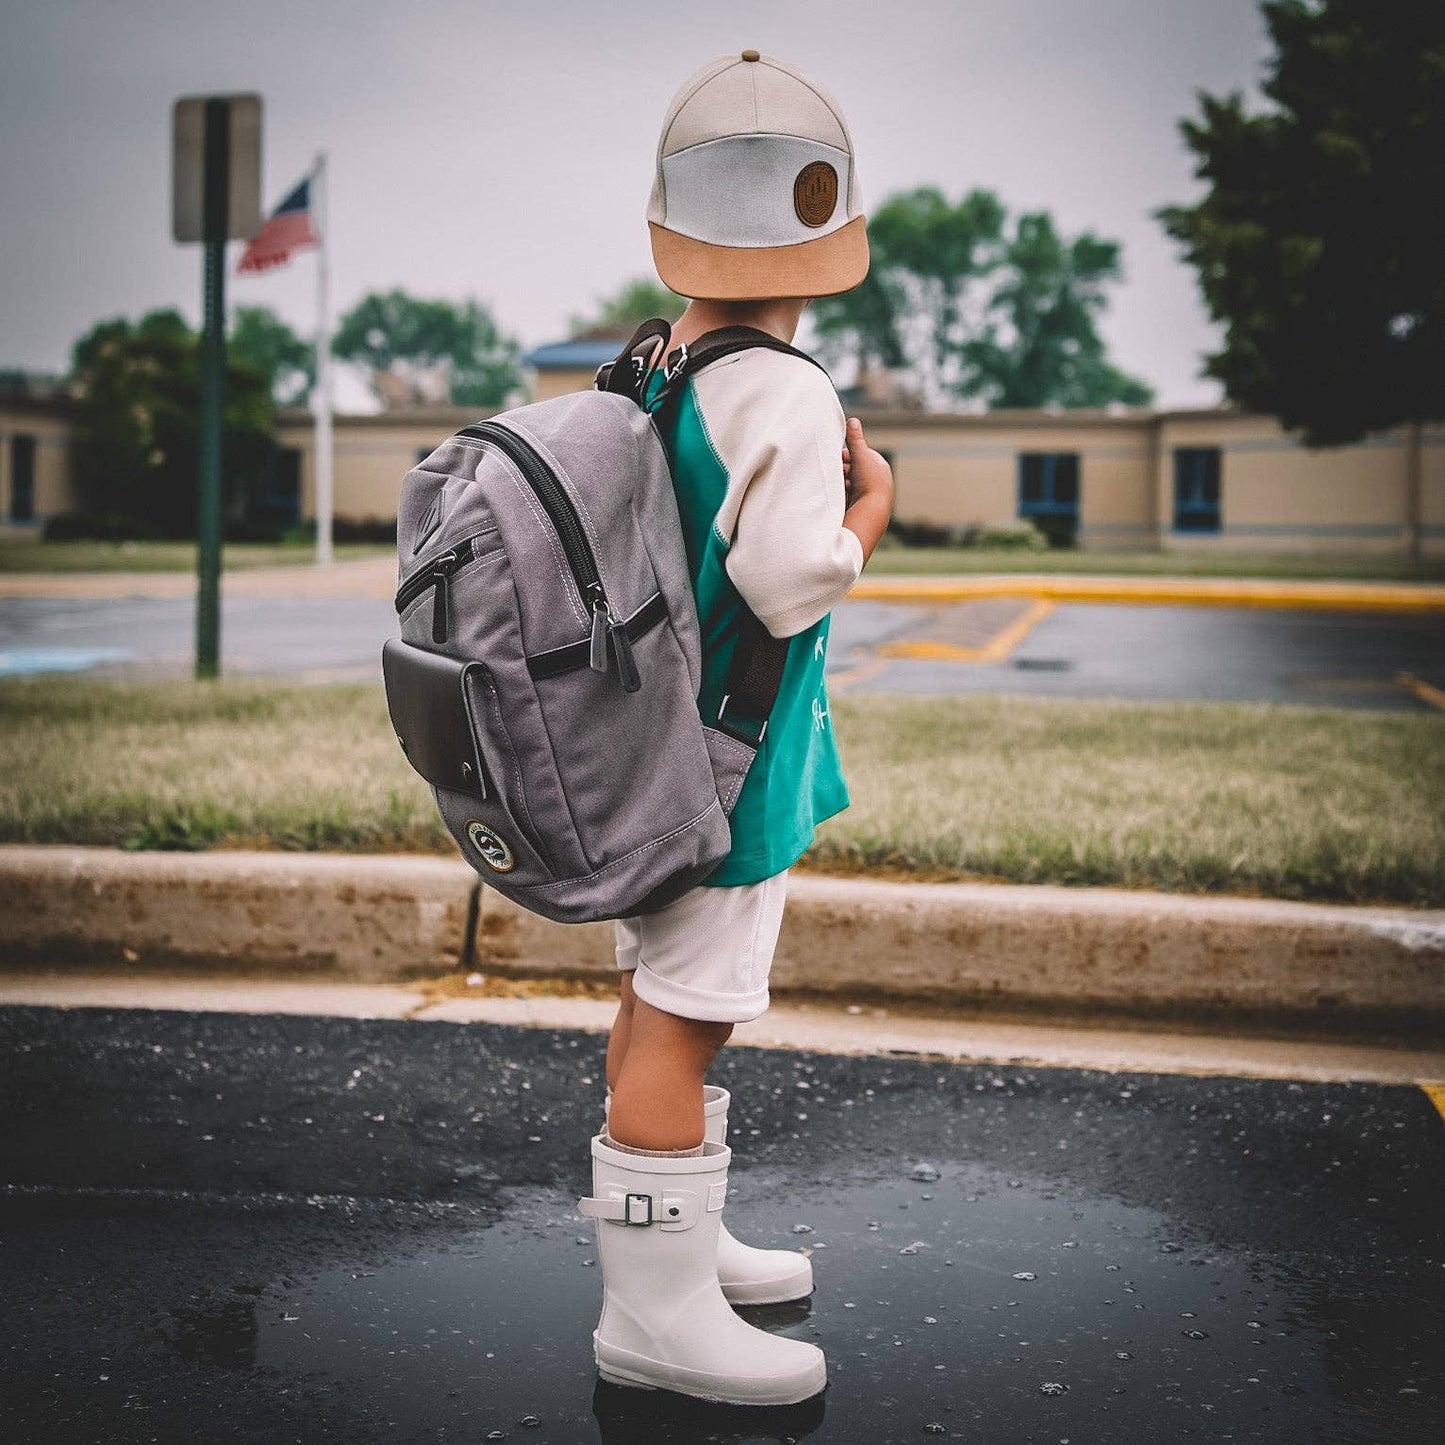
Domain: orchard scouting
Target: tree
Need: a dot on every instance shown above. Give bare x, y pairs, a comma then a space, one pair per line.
1038, 345
263, 341
927, 254
634, 302
975, 312
1319, 242
137, 439
418, 350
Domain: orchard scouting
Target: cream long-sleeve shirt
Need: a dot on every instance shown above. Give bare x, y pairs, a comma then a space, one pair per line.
777, 427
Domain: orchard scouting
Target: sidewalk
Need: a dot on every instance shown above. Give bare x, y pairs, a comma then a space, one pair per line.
818, 1026
366, 577
375, 577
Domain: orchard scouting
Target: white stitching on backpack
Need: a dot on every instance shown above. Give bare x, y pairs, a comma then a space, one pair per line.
569, 582
626, 857
582, 514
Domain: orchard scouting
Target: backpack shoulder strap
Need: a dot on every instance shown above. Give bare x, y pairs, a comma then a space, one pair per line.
628, 373
685, 359
755, 672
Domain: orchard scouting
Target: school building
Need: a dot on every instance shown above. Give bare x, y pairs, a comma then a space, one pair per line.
1133, 478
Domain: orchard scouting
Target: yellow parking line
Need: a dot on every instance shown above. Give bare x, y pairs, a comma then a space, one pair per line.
1423, 690
1003, 643
995, 649
1167, 591
843, 680
1435, 1092
921, 650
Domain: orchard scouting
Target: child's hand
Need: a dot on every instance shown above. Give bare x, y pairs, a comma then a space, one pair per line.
869, 482
865, 471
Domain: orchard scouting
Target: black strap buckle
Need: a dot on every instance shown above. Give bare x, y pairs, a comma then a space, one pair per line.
735, 732
675, 363
627, 1214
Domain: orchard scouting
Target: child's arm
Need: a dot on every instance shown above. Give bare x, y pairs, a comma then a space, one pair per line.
869, 480
778, 429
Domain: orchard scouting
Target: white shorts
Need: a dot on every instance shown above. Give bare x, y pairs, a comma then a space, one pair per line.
707, 955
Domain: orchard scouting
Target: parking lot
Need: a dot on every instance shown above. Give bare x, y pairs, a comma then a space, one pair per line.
1367, 659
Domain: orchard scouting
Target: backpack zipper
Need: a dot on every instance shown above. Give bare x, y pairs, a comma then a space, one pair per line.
606, 629
438, 574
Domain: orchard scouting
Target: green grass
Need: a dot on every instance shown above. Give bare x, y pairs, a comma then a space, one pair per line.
1249, 798
1199, 797
31, 556
967, 561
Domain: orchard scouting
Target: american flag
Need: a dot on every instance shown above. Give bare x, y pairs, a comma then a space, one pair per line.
288, 229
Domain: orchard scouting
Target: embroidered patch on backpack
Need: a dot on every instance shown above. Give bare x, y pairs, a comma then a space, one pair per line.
815, 193
495, 853
428, 524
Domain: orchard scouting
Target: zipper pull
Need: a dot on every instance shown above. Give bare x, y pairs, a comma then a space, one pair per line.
441, 595
627, 673
597, 656
439, 609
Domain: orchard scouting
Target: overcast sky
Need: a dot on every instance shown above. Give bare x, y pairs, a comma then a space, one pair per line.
506, 150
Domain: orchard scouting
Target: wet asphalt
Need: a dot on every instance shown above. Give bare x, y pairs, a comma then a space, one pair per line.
1335, 659
227, 1227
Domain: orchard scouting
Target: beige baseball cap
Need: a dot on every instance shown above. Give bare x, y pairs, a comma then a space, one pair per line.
756, 192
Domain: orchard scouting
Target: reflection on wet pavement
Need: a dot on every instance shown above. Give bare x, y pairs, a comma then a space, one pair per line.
957, 1305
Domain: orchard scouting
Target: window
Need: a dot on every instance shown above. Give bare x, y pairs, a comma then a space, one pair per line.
1196, 489
22, 479
1049, 494
275, 501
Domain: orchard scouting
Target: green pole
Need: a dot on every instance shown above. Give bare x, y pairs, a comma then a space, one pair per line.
213, 372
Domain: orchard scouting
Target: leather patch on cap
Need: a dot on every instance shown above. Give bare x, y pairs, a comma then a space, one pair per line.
815, 193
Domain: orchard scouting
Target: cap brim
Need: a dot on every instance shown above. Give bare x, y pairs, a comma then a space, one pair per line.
822, 267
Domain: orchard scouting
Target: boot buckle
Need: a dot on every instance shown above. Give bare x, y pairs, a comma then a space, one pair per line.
629, 1217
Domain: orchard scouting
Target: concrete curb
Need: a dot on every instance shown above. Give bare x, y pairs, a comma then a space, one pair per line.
372, 919
1167, 591
378, 919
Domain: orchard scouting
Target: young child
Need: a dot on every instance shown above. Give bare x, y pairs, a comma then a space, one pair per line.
754, 210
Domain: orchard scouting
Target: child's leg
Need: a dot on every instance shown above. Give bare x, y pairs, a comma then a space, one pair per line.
690, 971
621, 1034
657, 1092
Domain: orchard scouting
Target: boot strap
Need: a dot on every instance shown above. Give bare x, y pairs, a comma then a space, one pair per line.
671, 1210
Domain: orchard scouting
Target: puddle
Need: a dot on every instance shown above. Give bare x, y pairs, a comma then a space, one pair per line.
988, 1307
28, 661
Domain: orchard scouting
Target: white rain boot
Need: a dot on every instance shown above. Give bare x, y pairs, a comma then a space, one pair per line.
748, 1275
665, 1324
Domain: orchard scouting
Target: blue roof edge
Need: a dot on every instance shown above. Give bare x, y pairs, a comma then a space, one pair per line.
571, 355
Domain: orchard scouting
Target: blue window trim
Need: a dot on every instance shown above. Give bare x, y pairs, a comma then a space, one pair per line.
23, 448
1192, 474
1049, 505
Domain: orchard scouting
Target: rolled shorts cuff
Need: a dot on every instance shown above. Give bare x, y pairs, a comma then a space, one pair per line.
696, 1003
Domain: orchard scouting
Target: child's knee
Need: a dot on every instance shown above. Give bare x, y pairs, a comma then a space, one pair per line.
712, 1035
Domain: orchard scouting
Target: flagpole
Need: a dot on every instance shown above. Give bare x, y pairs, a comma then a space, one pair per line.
324, 491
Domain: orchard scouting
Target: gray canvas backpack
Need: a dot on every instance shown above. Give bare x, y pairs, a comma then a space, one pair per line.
545, 682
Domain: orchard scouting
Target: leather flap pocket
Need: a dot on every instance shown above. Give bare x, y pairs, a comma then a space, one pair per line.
427, 697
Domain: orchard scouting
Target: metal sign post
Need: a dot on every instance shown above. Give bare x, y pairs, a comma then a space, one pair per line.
216, 195
213, 382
